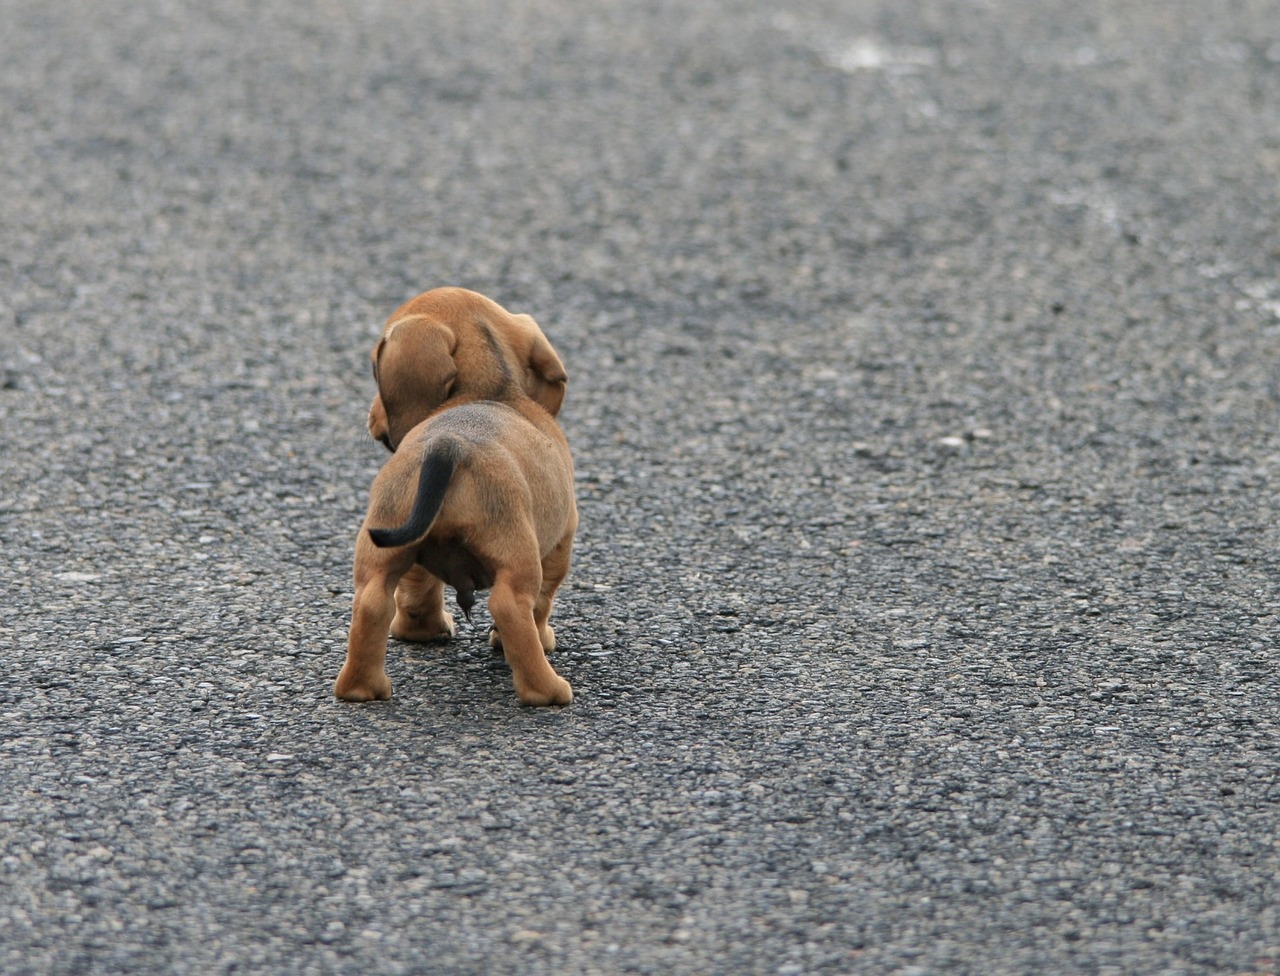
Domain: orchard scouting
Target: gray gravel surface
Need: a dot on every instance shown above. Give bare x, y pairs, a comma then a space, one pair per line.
923, 363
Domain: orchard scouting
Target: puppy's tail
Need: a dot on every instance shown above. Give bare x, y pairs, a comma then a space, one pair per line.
437, 469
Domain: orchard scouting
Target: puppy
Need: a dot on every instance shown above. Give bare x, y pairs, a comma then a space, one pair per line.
479, 490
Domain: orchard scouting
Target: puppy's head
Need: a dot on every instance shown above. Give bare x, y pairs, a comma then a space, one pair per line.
450, 342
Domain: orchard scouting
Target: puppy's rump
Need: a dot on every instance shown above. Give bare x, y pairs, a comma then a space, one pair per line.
438, 465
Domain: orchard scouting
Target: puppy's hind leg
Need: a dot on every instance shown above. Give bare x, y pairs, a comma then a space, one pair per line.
364, 675
420, 613
555, 567
511, 605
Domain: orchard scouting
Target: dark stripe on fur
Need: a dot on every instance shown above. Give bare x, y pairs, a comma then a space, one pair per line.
437, 470
495, 347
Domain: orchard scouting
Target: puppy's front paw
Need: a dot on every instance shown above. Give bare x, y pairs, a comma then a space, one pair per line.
362, 688
407, 627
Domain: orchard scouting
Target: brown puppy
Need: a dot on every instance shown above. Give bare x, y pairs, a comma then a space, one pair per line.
450, 342
481, 491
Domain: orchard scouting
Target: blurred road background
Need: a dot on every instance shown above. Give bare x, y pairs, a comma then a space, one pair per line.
923, 396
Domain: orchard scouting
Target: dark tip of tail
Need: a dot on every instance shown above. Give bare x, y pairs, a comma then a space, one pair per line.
382, 538
433, 481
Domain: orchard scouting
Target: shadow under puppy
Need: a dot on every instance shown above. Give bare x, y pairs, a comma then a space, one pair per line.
478, 492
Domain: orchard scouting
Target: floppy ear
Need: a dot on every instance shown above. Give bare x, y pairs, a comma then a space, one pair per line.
544, 374
415, 370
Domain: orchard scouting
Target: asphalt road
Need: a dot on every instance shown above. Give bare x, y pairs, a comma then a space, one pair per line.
923, 393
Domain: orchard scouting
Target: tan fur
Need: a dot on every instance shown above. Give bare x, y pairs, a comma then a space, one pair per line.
453, 342
507, 517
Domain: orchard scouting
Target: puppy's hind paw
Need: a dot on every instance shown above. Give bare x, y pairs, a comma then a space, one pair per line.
556, 692
377, 688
